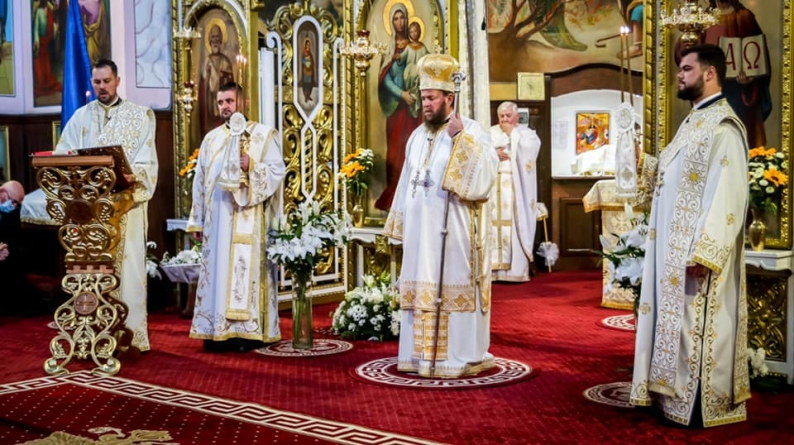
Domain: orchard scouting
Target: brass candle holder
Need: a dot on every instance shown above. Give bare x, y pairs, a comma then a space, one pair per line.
362, 51
691, 19
188, 96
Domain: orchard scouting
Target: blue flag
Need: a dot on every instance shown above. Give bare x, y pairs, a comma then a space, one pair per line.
77, 90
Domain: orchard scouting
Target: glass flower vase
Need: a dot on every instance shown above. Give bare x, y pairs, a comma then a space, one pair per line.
357, 212
302, 331
756, 233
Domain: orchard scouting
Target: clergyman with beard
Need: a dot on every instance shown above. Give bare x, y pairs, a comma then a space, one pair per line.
111, 120
236, 196
691, 342
449, 170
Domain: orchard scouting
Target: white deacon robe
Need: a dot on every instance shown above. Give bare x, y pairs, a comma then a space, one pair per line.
514, 204
433, 172
133, 127
236, 295
691, 337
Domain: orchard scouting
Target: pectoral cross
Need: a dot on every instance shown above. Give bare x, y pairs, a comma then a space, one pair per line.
426, 183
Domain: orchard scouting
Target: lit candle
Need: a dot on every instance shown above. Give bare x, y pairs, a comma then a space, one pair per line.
620, 57
628, 65
179, 15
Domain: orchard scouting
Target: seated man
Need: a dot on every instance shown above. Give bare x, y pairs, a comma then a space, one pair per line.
11, 196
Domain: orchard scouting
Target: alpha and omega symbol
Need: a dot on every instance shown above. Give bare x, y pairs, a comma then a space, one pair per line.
86, 303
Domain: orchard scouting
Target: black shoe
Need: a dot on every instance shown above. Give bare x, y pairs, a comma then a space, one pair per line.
215, 346
244, 344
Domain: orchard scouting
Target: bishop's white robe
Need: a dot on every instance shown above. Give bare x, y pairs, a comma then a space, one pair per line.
434, 171
133, 127
692, 331
514, 204
236, 295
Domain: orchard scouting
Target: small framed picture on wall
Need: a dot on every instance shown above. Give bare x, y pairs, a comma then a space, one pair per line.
523, 116
592, 130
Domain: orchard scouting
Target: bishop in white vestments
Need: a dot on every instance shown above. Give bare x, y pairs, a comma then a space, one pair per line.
109, 120
691, 342
449, 164
235, 196
514, 197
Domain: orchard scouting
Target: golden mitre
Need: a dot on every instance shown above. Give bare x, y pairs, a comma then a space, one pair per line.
435, 72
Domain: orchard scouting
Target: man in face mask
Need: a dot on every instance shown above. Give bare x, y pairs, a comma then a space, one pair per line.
11, 195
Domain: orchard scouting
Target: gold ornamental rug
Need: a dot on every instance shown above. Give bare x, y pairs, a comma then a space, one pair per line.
81, 408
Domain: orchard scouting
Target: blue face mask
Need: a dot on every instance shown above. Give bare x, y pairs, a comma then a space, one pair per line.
7, 206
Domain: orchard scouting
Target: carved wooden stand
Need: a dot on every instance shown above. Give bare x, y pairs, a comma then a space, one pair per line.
82, 199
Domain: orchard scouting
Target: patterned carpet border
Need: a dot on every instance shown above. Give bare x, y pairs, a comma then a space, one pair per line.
384, 372
322, 346
297, 423
613, 394
618, 322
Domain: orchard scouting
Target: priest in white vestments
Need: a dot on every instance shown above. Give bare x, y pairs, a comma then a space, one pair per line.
107, 121
514, 196
691, 342
447, 177
236, 194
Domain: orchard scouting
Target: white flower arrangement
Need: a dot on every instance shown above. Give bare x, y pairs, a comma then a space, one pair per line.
626, 254
151, 261
370, 312
300, 238
757, 358
184, 267
187, 256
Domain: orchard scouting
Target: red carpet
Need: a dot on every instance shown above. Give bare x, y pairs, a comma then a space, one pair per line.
88, 406
550, 323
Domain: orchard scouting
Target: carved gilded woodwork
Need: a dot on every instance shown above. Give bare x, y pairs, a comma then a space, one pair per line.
664, 112
309, 126
81, 199
767, 294
187, 55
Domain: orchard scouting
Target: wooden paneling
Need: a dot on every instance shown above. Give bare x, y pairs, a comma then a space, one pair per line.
575, 232
31, 133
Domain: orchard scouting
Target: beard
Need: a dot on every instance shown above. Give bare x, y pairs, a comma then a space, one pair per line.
691, 92
439, 118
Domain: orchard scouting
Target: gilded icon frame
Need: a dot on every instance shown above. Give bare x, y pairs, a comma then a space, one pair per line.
664, 112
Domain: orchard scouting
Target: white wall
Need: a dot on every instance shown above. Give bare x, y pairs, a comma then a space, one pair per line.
563, 122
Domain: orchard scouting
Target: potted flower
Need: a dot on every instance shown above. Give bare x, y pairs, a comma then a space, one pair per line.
299, 241
625, 254
767, 177
370, 311
355, 174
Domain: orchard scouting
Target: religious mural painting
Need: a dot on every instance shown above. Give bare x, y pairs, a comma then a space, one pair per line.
215, 62
592, 130
152, 45
756, 83
6, 48
557, 35
393, 100
48, 43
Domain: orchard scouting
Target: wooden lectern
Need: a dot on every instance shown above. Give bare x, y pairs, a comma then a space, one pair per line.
87, 194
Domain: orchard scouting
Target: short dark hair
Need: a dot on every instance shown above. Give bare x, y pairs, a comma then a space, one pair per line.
229, 86
101, 63
709, 55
